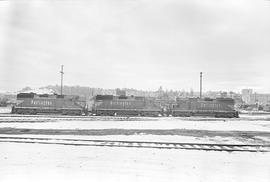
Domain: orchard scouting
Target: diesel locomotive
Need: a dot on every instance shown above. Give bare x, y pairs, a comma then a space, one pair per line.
31, 103
110, 105
219, 107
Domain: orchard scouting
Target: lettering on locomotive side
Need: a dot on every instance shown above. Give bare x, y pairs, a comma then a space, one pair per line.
122, 103
210, 105
41, 102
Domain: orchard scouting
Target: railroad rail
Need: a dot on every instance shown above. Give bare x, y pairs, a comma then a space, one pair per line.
47, 118
140, 144
54, 117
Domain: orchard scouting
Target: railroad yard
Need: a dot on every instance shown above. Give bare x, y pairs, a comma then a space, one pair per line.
138, 148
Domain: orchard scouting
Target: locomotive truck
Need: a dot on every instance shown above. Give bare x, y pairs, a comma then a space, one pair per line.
31, 103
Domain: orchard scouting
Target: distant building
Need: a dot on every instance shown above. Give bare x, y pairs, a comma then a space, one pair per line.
246, 95
160, 92
260, 99
120, 92
247, 91
255, 98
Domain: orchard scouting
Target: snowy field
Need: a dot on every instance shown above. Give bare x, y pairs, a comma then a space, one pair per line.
50, 162
5, 109
245, 130
160, 123
31, 163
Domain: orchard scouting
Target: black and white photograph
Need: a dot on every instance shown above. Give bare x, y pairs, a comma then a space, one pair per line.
134, 90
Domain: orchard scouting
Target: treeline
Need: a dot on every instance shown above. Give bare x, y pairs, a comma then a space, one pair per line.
86, 92
89, 92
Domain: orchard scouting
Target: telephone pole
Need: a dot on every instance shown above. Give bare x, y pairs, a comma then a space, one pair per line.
62, 74
200, 84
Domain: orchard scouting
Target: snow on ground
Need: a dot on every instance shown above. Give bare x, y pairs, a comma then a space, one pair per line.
31, 163
160, 124
245, 123
262, 138
254, 117
41, 162
5, 110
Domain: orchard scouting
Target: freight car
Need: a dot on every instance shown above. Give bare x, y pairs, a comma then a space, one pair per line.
219, 107
109, 105
31, 103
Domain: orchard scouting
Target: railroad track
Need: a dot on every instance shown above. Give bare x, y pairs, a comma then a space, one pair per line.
140, 144
46, 118
54, 117
3, 115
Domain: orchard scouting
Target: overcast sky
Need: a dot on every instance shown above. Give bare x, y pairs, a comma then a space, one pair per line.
138, 44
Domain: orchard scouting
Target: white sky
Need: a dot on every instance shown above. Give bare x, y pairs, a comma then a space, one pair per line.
138, 44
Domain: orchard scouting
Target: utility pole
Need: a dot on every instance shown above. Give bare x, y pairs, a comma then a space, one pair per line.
62, 74
200, 84
256, 101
